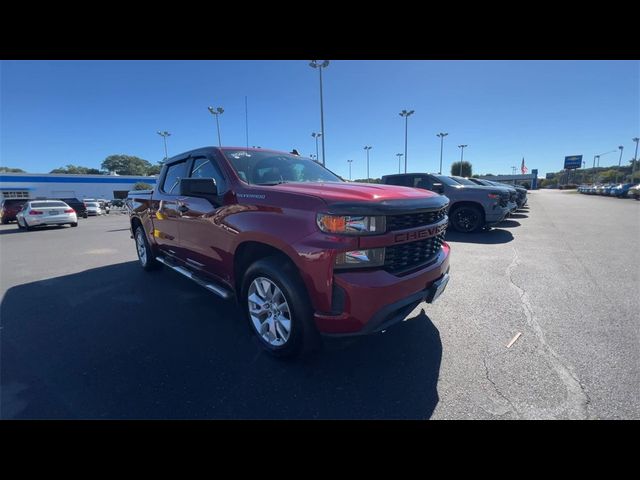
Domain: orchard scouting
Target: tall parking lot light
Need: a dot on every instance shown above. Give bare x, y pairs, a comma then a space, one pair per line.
406, 114
461, 147
320, 66
635, 157
217, 112
164, 134
621, 147
399, 155
350, 162
441, 135
367, 150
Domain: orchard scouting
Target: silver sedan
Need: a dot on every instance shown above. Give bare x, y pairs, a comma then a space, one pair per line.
46, 212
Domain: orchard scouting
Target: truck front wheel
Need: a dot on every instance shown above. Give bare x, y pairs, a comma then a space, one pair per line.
279, 312
145, 254
466, 218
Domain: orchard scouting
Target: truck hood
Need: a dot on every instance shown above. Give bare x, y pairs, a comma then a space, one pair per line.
367, 199
353, 192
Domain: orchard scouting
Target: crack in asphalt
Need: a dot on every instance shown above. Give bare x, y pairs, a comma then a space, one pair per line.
495, 387
577, 398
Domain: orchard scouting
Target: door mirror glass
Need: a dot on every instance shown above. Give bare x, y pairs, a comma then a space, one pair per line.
198, 187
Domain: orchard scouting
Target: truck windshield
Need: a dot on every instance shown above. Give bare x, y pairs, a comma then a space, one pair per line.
447, 181
272, 168
464, 181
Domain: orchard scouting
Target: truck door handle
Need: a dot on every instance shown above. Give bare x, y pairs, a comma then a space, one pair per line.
183, 208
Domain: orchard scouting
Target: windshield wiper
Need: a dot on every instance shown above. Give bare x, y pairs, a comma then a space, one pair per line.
272, 183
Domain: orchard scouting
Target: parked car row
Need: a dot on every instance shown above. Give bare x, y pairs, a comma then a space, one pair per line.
475, 203
17, 210
622, 190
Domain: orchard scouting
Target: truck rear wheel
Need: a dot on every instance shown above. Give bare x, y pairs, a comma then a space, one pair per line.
278, 309
145, 254
466, 218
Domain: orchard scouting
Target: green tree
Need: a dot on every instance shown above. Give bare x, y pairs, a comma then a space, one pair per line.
466, 169
142, 186
155, 169
371, 180
126, 165
11, 170
77, 169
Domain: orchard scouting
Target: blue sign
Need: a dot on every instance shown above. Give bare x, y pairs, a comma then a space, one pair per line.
574, 161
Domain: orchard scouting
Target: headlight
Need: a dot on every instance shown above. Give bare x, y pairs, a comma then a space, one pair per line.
372, 257
350, 224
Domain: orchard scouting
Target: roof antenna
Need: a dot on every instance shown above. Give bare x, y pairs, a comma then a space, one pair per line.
294, 152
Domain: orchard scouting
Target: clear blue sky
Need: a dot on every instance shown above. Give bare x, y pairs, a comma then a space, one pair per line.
55, 113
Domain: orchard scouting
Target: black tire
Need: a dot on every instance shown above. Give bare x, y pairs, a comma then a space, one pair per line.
85, 215
74, 224
5, 221
26, 225
149, 263
19, 226
466, 218
303, 337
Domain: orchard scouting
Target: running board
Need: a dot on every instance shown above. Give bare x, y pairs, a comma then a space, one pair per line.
220, 291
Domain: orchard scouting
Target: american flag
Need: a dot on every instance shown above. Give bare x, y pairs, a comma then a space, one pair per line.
523, 167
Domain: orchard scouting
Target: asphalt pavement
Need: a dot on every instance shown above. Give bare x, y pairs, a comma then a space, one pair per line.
86, 333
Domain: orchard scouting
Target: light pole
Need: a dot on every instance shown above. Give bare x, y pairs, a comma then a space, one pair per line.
597, 158
621, 147
399, 155
164, 134
441, 135
316, 135
461, 147
635, 158
406, 114
350, 162
217, 112
320, 66
367, 150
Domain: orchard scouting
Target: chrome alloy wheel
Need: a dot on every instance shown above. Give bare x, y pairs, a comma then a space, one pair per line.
269, 311
141, 247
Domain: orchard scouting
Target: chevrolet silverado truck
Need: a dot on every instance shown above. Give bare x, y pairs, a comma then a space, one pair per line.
471, 207
521, 192
513, 194
303, 252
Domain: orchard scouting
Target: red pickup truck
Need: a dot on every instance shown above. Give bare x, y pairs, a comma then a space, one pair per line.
303, 252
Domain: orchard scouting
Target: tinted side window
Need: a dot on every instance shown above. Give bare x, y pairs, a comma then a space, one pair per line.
401, 181
172, 179
205, 168
422, 182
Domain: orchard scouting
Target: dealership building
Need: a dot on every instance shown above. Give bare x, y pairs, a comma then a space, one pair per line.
59, 185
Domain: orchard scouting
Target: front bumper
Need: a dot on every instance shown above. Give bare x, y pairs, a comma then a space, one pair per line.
374, 300
496, 216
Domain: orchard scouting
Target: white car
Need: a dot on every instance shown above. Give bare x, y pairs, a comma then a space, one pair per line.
93, 208
38, 213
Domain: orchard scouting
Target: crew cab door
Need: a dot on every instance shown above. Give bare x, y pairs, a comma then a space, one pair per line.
204, 238
167, 216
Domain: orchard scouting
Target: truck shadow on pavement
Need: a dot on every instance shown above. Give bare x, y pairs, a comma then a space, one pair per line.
117, 342
509, 224
490, 236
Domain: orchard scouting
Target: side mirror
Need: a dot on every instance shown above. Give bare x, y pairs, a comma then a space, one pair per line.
438, 188
198, 187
